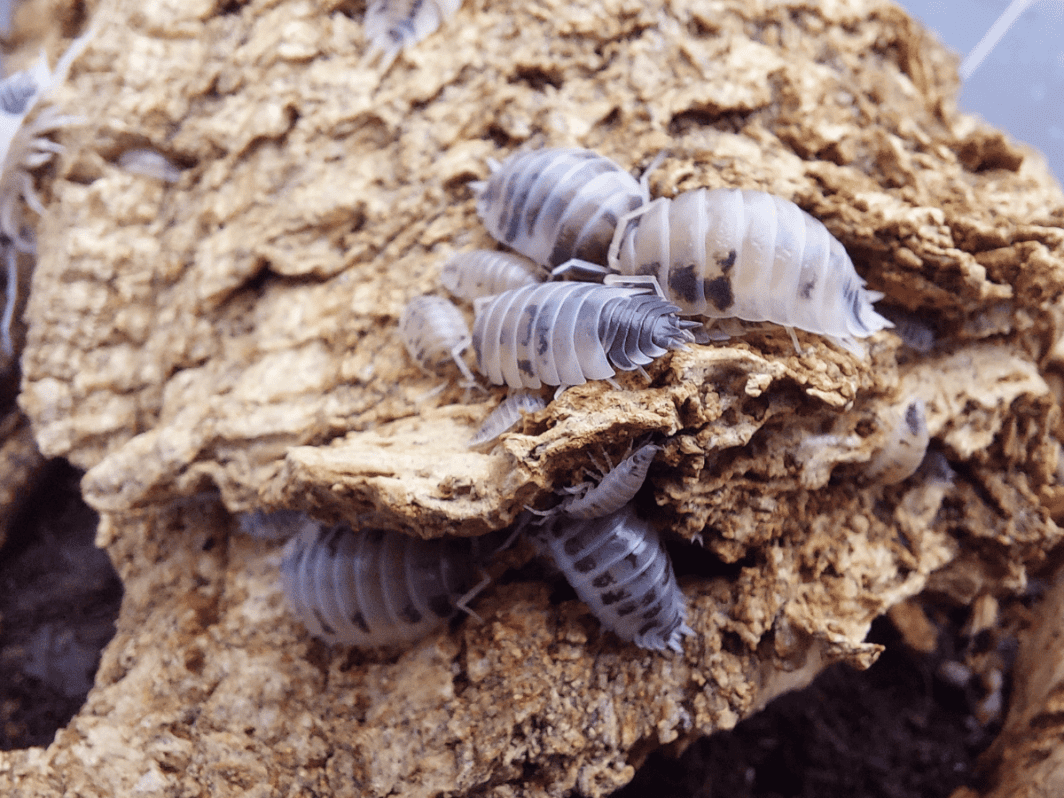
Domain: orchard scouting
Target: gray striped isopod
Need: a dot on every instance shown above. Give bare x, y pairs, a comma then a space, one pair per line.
732, 253
617, 487
485, 272
563, 333
392, 25
553, 205
620, 569
505, 417
373, 587
434, 330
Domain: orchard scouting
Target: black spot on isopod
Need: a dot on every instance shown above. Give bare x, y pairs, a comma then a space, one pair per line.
727, 262
525, 366
409, 613
855, 305
719, 292
805, 290
912, 418
647, 627
515, 204
584, 565
440, 605
626, 609
648, 268
594, 249
563, 247
684, 282
604, 580
613, 596
359, 620
323, 623
525, 335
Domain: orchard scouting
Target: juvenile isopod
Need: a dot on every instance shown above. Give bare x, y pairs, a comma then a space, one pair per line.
372, 587
392, 25
731, 253
552, 205
484, 272
434, 331
905, 446
505, 417
617, 487
564, 333
620, 569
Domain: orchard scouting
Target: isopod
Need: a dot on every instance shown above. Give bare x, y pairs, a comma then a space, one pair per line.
617, 487
275, 525
392, 25
484, 272
563, 333
732, 253
553, 205
505, 417
620, 569
434, 330
904, 448
373, 587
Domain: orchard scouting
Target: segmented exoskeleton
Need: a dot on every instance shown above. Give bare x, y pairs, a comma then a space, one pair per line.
617, 487
485, 272
505, 417
556, 204
905, 446
731, 253
434, 330
564, 333
372, 587
392, 25
619, 567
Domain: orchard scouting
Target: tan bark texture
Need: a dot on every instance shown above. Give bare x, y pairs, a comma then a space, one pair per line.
228, 341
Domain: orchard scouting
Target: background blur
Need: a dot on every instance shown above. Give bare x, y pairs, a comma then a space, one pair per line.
1019, 86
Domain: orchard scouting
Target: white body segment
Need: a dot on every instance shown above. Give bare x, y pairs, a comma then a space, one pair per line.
618, 487
564, 333
434, 331
731, 253
392, 25
373, 587
485, 272
553, 205
619, 567
506, 416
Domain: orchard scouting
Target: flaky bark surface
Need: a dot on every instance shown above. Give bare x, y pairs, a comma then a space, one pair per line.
236, 332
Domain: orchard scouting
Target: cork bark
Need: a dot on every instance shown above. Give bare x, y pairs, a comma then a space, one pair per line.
228, 342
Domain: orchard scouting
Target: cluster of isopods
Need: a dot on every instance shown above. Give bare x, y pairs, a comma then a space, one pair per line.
639, 267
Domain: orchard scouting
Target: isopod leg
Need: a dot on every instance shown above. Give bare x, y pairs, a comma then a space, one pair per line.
644, 181
794, 340
613, 258
463, 602
636, 281
581, 270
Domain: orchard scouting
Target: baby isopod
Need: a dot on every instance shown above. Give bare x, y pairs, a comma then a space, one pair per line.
617, 487
392, 25
731, 253
905, 446
484, 272
372, 587
434, 331
505, 417
552, 205
619, 567
564, 333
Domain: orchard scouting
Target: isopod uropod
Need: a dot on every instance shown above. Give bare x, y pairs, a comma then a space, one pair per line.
617, 487
372, 587
484, 272
732, 253
563, 333
619, 567
392, 25
434, 330
553, 205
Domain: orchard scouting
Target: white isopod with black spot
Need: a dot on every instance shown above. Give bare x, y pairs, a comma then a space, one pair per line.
505, 417
434, 331
619, 567
733, 253
373, 587
485, 272
905, 445
564, 333
553, 205
392, 25
617, 487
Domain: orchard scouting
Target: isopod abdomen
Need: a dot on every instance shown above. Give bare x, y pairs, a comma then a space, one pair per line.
552, 205
563, 333
372, 587
731, 253
484, 272
434, 331
620, 569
